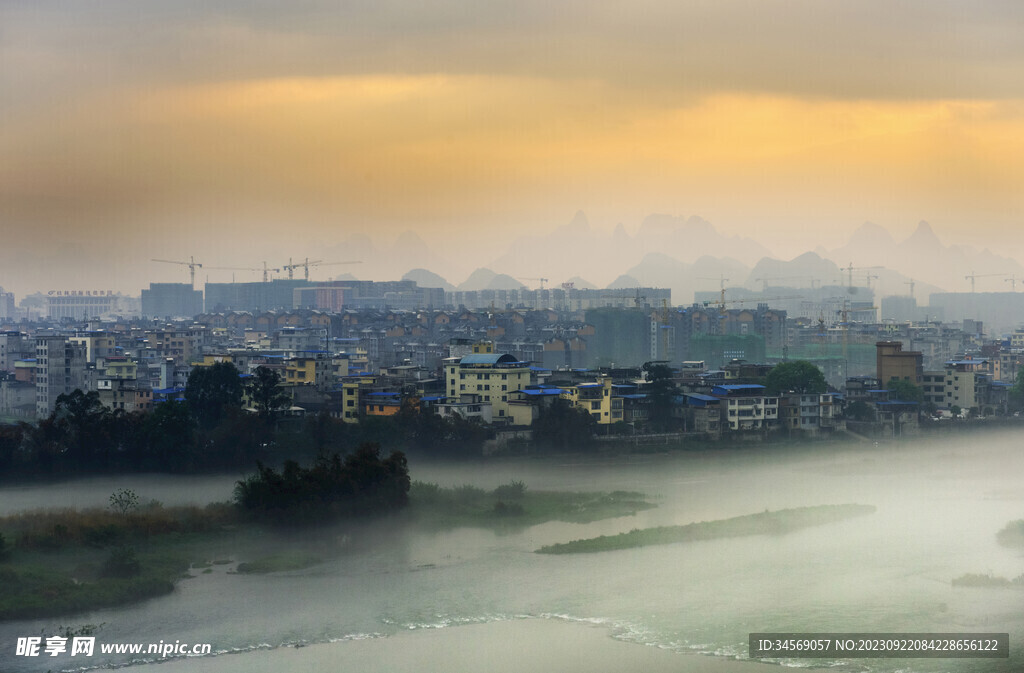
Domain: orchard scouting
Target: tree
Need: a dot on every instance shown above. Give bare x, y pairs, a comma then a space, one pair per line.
795, 376
860, 411
265, 391
661, 391
124, 501
83, 425
209, 390
904, 390
564, 427
170, 433
1016, 394
362, 483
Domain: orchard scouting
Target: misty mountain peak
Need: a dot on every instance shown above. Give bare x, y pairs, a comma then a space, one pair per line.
924, 238
696, 223
871, 234
409, 240
624, 281
579, 222
426, 278
478, 280
582, 283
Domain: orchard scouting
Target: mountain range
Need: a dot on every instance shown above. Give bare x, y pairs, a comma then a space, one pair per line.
687, 254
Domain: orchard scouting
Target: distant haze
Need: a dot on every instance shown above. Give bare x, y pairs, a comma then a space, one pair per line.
243, 133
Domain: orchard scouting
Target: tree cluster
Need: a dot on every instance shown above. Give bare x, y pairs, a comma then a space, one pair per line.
795, 376
563, 427
208, 430
361, 483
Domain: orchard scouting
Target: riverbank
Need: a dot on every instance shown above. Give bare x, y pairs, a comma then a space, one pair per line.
66, 561
514, 646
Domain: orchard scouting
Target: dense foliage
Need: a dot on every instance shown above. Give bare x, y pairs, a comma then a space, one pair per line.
904, 391
661, 391
211, 392
563, 427
796, 376
361, 483
82, 436
265, 392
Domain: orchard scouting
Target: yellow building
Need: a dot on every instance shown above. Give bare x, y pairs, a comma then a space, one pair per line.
97, 345
351, 393
307, 371
210, 360
596, 399
487, 377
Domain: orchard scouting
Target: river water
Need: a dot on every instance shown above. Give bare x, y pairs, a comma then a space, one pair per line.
939, 507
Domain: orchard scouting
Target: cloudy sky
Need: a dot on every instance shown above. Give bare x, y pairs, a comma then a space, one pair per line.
238, 132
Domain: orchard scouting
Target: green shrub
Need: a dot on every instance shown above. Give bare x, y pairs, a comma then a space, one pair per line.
122, 563
508, 509
124, 501
513, 490
467, 493
1012, 534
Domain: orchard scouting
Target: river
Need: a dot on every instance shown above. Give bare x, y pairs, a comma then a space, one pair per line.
939, 507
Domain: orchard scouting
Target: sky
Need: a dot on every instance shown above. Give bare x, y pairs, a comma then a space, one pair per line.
243, 132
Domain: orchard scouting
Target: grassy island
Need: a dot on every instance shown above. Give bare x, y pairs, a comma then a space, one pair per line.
58, 562
1012, 534
975, 580
513, 504
765, 523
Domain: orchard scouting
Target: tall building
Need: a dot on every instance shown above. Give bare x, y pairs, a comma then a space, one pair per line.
895, 363
12, 345
6, 305
256, 296
171, 300
60, 369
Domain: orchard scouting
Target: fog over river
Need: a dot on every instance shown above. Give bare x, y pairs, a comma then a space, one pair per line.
939, 507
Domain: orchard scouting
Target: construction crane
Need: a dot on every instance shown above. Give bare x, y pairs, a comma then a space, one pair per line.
911, 284
844, 313
722, 302
638, 300
266, 270
290, 267
867, 278
971, 276
542, 280
664, 327
722, 280
764, 281
851, 268
191, 264
1012, 280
